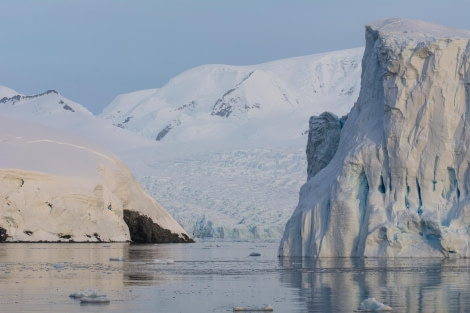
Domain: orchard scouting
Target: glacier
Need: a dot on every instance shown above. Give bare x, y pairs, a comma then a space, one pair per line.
55, 186
398, 184
230, 140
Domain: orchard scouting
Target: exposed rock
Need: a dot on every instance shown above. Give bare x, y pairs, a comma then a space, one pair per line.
21, 97
399, 183
3, 234
144, 230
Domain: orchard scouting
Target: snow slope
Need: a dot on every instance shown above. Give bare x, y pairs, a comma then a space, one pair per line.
398, 184
55, 186
6, 92
230, 159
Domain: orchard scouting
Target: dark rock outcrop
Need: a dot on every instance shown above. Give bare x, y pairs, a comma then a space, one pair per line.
3, 234
144, 230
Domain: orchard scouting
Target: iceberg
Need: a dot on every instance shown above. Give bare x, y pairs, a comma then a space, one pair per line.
55, 186
398, 184
372, 305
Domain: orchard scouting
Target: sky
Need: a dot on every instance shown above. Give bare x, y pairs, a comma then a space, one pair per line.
90, 51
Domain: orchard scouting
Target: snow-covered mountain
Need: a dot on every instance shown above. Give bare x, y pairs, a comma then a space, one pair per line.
55, 186
398, 184
52, 109
230, 154
258, 103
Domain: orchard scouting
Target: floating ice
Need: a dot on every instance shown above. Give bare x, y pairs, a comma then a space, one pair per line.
85, 293
96, 300
267, 308
372, 305
255, 254
162, 261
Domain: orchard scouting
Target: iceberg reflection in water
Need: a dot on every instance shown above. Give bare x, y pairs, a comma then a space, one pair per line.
405, 284
219, 276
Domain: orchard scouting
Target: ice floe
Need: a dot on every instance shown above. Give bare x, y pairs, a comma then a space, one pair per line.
372, 305
267, 308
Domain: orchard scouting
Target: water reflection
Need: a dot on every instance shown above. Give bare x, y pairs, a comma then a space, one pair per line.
215, 277
407, 285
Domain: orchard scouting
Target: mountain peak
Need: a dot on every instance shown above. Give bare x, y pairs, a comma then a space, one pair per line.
43, 104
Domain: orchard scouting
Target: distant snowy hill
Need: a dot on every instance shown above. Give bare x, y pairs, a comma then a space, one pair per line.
224, 151
270, 101
55, 186
52, 109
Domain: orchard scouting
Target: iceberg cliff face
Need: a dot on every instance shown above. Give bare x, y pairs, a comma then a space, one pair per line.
399, 183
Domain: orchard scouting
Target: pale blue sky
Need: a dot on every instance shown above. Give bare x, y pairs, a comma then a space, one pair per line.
92, 50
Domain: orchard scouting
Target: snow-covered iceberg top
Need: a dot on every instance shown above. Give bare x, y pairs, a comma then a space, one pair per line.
398, 184
415, 30
55, 186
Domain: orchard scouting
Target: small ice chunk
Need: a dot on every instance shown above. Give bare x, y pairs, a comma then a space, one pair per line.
267, 308
372, 305
163, 261
58, 266
97, 300
85, 293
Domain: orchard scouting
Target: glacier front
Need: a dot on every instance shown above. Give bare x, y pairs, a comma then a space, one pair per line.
399, 182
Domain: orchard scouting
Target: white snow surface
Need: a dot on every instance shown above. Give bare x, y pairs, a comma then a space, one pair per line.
258, 103
232, 177
398, 184
55, 186
7, 92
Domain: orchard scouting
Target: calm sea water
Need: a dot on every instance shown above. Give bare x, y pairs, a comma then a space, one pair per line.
217, 276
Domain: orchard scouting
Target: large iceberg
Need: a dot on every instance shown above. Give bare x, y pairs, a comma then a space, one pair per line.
399, 182
55, 186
